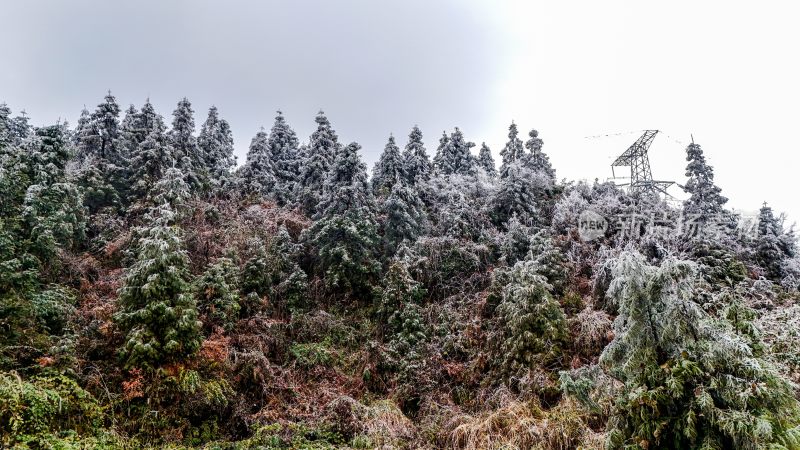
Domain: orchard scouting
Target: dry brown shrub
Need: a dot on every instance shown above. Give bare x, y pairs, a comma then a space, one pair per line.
591, 331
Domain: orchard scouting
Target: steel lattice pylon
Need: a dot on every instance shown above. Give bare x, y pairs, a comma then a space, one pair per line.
636, 158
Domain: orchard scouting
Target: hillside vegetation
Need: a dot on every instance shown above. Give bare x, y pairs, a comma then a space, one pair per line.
153, 294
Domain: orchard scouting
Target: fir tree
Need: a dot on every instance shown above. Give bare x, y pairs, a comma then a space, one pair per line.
149, 162
416, 164
513, 150
288, 284
215, 144
516, 241
455, 157
441, 152
705, 205
537, 160
255, 279
322, 149
689, 381
6, 137
52, 207
531, 327
184, 144
769, 252
218, 295
516, 195
405, 216
106, 117
388, 170
285, 159
345, 233
158, 314
485, 160
103, 176
258, 173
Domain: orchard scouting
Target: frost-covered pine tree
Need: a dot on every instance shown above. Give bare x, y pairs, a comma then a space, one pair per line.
6, 137
530, 329
288, 284
158, 314
537, 160
184, 145
215, 144
103, 172
516, 195
516, 241
388, 170
405, 216
705, 204
771, 249
106, 118
218, 294
149, 163
416, 164
53, 209
486, 161
285, 159
513, 150
688, 380
398, 314
172, 190
322, 149
441, 151
345, 233
257, 176
456, 157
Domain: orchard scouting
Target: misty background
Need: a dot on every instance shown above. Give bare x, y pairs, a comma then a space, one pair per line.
724, 72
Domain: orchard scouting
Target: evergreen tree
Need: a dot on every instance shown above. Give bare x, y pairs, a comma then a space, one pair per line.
84, 135
689, 381
106, 118
515, 196
215, 144
218, 295
416, 164
531, 327
103, 175
537, 160
6, 137
158, 314
52, 208
255, 279
705, 203
322, 149
516, 241
513, 150
441, 152
288, 284
455, 157
285, 159
150, 161
769, 252
388, 170
485, 160
345, 233
184, 145
258, 173
405, 216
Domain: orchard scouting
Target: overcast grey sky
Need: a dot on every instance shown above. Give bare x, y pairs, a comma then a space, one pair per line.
725, 71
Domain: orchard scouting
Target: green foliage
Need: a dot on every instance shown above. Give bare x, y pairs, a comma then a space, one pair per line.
288, 284
218, 295
345, 234
312, 355
158, 313
689, 381
32, 410
531, 328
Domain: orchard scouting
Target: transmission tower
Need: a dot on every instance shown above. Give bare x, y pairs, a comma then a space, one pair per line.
636, 158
